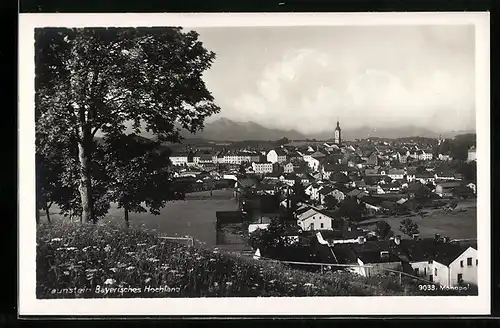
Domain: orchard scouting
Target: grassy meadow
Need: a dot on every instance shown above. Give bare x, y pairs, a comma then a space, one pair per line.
460, 223
82, 260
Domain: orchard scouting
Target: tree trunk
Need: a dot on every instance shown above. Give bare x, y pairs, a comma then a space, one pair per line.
37, 216
85, 186
47, 213
126, 217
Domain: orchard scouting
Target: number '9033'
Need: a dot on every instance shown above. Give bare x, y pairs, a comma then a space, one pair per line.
427, 287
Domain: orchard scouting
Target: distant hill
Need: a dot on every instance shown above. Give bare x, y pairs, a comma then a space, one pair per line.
224, 129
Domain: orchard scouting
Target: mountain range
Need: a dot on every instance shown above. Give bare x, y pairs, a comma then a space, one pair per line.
224, 129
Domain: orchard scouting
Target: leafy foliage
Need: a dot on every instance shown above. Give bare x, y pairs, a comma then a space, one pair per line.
383, 230
350, 208
100, 80
139, 174
331, 202
275, 236
408, 227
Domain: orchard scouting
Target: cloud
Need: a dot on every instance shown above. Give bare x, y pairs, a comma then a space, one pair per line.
363, 76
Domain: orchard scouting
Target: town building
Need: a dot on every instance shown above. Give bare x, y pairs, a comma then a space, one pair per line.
471, 154
338, 134
179, 159
262, 167
276, 156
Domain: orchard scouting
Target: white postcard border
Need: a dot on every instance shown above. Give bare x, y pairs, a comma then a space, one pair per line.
384, 305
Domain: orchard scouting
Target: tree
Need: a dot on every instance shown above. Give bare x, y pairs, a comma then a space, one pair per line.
350, 208
48, 171
275, 236
139, 175
331, 202
299, 192
408, 227
383, 230
282, 141
101, 80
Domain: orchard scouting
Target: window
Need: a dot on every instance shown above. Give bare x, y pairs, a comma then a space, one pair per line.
322, 225
425, 271
431, 278
476, 262
435, 271
460, 278
416, 271
469, 261
430, 262
461, 264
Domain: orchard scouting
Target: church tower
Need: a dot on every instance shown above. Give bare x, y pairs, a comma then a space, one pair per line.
338, 134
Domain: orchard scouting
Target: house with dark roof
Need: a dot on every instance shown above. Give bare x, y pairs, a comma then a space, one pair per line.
276, 156
311, 250
336, 193
437, 260
368, 257
445, 175
443, 262
446, 188
315, 219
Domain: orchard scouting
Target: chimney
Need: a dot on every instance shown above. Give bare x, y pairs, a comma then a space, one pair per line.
397, 239
416, 236
384, 254
446, 239
436, 237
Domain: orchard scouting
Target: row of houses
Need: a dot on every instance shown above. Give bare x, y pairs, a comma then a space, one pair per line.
436, 260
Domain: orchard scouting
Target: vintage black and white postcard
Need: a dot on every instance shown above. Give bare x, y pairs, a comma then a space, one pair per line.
251, 164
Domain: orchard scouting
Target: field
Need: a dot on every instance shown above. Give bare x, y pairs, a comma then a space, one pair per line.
194, 216
457, 224
83, 260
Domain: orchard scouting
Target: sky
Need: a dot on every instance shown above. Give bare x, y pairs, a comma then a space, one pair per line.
304, 78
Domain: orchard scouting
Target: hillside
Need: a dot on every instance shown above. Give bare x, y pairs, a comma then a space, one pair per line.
105, 260
225, 129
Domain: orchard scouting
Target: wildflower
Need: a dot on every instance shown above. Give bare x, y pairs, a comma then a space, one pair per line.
307, 284
113, 269
199, 258
152, 259
272, 281
130, 268
110, 281
55, 239
71, 248
212, 260
164, 267
91, 270
141, 244
107, 249
147, 280
85, 248
229, 283
216, 284
66, 273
